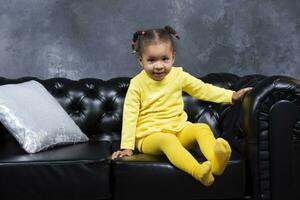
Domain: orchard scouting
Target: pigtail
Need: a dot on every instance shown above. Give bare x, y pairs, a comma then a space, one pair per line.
171, 31
133, 41
135, 37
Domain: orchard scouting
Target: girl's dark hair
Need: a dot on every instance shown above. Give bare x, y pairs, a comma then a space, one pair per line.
145, 37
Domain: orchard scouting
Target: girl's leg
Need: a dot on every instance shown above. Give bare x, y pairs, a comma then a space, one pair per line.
217, 151
168, 144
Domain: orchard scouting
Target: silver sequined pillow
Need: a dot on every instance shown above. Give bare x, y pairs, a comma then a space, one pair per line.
34, 117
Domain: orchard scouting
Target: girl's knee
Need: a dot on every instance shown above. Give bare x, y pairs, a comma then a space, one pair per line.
200, 128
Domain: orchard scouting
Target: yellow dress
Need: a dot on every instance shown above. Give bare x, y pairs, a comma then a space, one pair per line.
157, 106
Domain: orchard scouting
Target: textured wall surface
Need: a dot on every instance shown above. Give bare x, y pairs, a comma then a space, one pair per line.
91, 38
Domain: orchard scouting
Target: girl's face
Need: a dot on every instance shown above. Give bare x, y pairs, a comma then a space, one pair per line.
157, 60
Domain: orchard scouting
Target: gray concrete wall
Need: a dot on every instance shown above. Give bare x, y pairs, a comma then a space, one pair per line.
91, 38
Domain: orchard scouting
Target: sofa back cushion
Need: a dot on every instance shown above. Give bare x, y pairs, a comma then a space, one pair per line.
96, 106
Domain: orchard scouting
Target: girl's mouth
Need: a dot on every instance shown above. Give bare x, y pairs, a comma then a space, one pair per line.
159, 74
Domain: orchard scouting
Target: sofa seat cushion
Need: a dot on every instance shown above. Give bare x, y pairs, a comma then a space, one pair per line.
79, 171
153, 177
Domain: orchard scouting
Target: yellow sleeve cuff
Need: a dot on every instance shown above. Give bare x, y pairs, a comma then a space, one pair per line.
127, 146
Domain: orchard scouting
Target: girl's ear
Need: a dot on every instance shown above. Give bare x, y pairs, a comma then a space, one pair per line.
140, 61
173, 57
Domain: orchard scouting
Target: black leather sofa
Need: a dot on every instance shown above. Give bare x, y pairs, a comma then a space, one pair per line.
263, 129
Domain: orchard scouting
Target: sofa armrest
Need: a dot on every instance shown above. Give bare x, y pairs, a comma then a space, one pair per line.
271, 123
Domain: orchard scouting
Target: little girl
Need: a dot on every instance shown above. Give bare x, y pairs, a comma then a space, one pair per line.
154, 119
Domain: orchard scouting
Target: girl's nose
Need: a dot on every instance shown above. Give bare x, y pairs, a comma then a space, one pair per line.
158, 66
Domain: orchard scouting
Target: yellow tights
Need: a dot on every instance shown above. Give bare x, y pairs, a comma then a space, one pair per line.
176, 146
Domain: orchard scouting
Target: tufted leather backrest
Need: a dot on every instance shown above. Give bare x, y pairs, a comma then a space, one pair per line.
96, 106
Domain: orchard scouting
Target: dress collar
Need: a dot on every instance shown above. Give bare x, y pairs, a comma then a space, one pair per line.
166, 79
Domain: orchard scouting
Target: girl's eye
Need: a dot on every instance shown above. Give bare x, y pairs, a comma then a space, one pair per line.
165, 59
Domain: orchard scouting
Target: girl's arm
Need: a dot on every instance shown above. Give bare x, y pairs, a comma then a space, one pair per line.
130, 116
205, 91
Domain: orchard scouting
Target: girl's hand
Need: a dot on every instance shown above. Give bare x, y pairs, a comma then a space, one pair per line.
122, 153
240, 93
